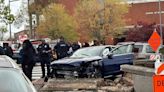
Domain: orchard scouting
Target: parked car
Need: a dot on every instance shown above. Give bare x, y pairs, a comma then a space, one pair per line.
15, 46
6, 61
95, 61
143, 49
35, 43
16, 54
12, 79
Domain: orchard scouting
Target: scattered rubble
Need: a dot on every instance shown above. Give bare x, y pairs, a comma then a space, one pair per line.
118, 84
116, 89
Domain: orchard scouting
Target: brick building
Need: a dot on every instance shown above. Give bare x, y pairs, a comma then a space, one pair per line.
139, 12
147, 12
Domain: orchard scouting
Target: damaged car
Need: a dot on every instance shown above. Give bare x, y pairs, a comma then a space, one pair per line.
93, 62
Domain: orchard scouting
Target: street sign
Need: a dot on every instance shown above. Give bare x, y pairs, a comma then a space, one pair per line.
158, 81
155, 41
22, 38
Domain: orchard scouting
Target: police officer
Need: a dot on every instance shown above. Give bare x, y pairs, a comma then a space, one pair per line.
61, 49
2, 52
75, 46
7, 49
44, 53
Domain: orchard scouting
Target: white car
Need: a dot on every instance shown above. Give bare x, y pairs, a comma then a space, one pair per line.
12, 79
143, 50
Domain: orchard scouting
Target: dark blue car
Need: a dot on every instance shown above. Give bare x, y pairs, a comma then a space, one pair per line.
93, 62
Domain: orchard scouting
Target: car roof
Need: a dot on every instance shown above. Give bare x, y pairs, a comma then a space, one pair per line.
7, 62
101, 46
122, 43
11, 69
141, 43
135, 43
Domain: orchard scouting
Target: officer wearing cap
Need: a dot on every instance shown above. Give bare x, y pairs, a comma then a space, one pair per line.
7, 49
44, 51
61, 49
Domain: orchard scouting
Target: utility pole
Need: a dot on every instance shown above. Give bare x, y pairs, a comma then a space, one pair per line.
9, 14
10, 23
160, 22
30, 20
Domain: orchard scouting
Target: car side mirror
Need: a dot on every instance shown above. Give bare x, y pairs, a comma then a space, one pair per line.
110, 56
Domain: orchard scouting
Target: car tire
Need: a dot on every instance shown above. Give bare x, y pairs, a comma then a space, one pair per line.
55, 75
96, 74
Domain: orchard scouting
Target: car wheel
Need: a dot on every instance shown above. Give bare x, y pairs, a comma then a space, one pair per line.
55, 75
96, 73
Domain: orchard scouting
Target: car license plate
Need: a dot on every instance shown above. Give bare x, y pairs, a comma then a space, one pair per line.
64, 72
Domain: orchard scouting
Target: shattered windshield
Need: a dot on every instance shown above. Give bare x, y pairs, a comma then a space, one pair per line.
88, 52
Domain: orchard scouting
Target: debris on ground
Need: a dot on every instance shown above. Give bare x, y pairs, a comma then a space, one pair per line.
117, 84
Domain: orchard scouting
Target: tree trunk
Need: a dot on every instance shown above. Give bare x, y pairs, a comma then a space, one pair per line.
37, 18
30, 22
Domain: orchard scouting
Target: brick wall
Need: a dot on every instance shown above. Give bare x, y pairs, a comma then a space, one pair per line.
145, 12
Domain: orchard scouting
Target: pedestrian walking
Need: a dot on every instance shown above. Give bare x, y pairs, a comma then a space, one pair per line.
61, 49
44, 52
28, 54
7, 50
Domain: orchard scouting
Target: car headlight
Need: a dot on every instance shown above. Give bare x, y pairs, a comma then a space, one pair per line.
75, 73
96, 63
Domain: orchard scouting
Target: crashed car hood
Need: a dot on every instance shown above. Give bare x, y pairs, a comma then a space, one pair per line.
76, 61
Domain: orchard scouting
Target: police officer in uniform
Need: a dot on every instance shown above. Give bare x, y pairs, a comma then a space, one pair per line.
44, 53
8, 50
61, 49
75, 46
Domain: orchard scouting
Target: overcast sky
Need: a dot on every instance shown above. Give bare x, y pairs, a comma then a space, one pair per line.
14, 6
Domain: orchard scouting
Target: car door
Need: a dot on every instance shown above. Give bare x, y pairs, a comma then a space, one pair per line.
119, 56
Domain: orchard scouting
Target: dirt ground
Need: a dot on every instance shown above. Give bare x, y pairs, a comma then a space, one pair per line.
114, 84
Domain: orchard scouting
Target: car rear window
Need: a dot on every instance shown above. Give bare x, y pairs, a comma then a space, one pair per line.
149, 49
12, 80
139, 47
